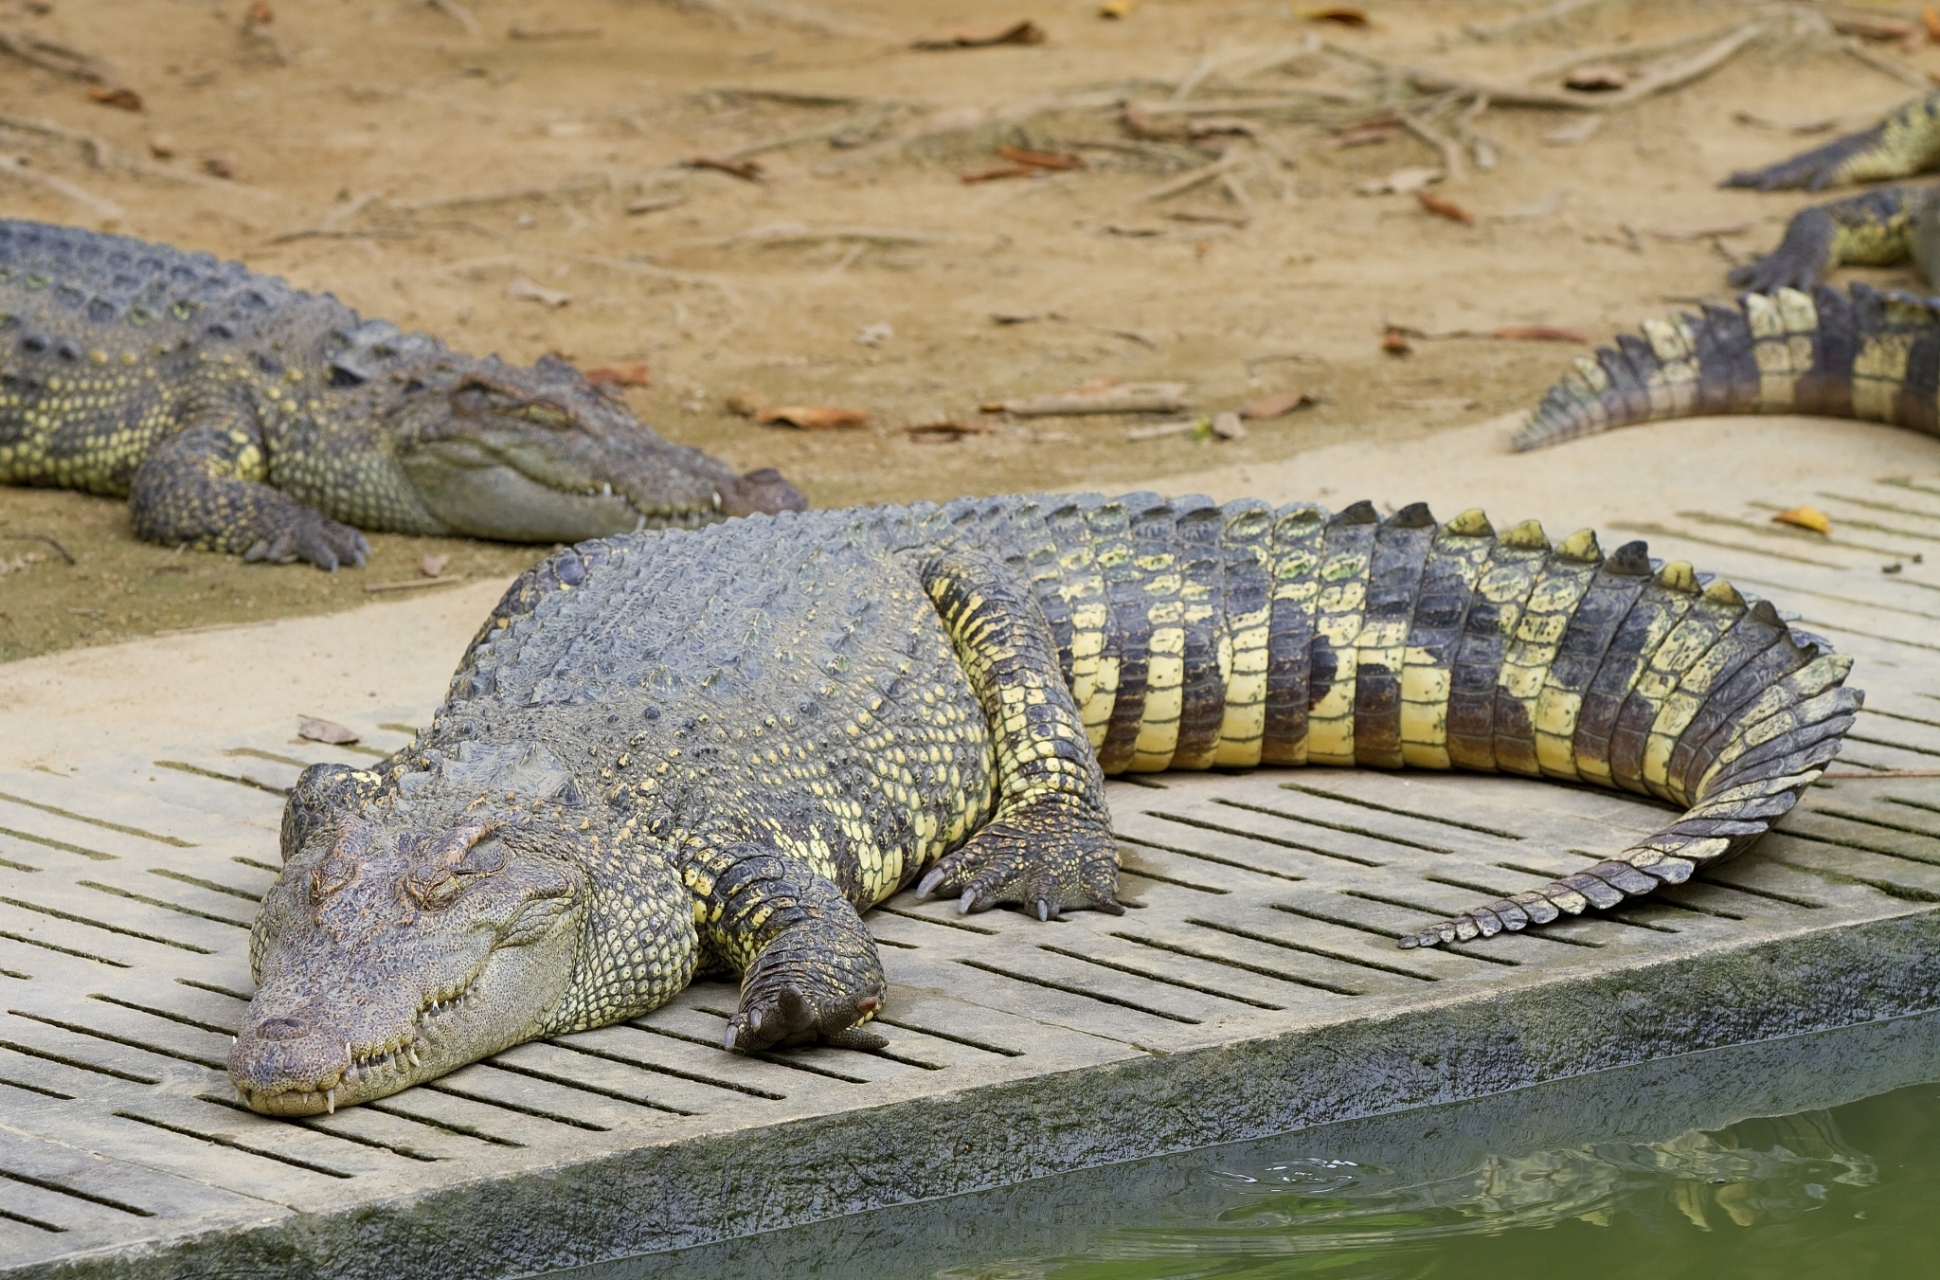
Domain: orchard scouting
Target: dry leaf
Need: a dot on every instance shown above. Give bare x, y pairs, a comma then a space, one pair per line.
1869, 28
1930, 16
746, 170
620, 375
1576, 131
1805, 518
654, 204
1541, 333
122, 99
434, 565
1269, 407
524, 289
260, 14
1117, 8
998, 174
1024, 32
1099, 395
162, 146
1442, 207
1041, 159
874, 335
1345, 15
820, 417
218, 167
1597, 77
318, 730
746, 404
1396, 343
1400, 182
1386, 129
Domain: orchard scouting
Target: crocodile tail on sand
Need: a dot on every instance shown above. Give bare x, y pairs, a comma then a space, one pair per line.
1862, 354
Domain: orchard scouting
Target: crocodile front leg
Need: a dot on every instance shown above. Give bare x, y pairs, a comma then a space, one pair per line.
1875, 229
809, 969
207, 485
1049, 845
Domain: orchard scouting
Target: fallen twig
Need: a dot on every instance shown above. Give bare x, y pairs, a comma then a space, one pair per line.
42, 538
459, 14
1660, 79
1903, 74
1451, 151
1130, 397
818, 417
1871, 774
1702, 233
802, 233
1442, 207
519, 31
52, 55
1023, 32
1187, 181
746, 170
1508, 28
22, 170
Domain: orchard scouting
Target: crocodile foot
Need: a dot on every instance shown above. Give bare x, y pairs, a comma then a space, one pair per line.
317, 539
1047, 867
812, 985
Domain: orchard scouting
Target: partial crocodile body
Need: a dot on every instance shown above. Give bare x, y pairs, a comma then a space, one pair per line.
1860, 354
1881, 228
672, 753
242, 415
1903, 144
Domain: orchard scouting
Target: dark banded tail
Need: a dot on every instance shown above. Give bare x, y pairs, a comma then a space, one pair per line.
1194, 635
1861, 354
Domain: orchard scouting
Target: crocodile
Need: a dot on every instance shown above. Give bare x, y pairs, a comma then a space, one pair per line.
685, 752
239, 414
1906, 142
1864, 353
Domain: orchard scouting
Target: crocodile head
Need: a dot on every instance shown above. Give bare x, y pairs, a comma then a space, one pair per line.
541, 455
387, 956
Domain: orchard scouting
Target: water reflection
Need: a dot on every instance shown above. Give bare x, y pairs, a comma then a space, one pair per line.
1343, 1217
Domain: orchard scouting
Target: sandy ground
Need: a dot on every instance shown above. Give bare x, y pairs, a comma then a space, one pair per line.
442, 164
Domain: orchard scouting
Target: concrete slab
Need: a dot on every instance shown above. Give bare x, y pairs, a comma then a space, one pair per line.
1258, 990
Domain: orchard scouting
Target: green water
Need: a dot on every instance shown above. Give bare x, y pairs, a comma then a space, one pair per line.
1811, 1156
1847, 1192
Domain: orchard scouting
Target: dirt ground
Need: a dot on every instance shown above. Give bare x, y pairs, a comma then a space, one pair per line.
517, 177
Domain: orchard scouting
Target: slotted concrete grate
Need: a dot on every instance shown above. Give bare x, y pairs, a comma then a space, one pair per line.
1257, 988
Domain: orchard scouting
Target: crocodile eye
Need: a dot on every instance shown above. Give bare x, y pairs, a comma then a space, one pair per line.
545, 415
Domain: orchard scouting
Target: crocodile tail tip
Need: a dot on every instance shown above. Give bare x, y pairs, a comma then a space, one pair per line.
1602, 886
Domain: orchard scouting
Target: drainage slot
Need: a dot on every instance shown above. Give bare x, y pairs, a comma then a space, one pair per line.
1323, 793
240, 779
693, 1077
61, 1189
583, 1087
439, 1086
163, 903
1323, 952
223, 1140
77, 1063
62, 845
1215, 992
79, 1030
152, 1012
1368, 832
66, 951
1276, 974
310, 1123
951, 1036
97, 822
442, 1126
109, 928
1203, 825
1213, 858
200, 883
1069, 989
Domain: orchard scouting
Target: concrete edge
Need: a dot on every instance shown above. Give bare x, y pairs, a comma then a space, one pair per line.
672, 1195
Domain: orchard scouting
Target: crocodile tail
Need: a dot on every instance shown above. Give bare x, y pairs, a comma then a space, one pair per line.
1862, 354
1198, 636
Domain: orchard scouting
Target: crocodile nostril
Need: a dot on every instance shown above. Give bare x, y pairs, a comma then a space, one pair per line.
281, 1029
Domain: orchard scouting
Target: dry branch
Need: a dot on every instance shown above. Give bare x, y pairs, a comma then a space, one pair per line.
20, 169
51, 55
1508, 28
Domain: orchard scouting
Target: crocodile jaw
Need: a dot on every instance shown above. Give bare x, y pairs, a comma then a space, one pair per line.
307, 1057
474, 490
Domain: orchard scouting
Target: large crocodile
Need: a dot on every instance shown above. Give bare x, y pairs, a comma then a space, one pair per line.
1860, 354
242, 415
677, 752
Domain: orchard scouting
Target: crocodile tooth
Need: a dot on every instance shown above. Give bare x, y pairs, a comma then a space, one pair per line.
414, 1057
330, 1100
717, 499
606, 491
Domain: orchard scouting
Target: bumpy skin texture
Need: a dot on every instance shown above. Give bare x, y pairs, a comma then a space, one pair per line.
686, 752
1880, 228
1860, 354
1903, 144
241, 415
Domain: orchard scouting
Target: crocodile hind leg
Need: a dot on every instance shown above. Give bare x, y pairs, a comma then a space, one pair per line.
1049, 846
1872, 229
809, 969
207, 485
